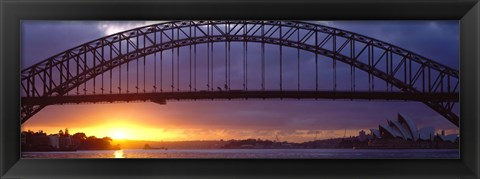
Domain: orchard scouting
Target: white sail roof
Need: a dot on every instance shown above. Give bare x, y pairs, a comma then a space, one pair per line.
412, 128
405, 132
376, 133
390, 131
404, 128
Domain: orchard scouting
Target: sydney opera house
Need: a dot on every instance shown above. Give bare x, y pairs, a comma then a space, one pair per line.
403, 133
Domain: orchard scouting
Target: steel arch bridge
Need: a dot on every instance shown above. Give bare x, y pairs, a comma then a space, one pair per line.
115, 67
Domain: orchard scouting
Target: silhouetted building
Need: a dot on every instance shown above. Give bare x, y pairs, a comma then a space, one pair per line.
403, 133
362, 137
403, 128
54, 141
65, 141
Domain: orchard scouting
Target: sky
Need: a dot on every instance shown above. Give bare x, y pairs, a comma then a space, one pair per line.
290, 120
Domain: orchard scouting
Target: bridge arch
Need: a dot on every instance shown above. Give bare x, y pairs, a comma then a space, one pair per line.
444, 79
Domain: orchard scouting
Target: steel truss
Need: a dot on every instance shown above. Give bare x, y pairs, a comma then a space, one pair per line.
402, 71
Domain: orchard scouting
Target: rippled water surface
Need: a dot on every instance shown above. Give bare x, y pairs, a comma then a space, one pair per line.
253, 153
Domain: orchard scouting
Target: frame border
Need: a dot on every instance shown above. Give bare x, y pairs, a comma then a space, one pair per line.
13, 11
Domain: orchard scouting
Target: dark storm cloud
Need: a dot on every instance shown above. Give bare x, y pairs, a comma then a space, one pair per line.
43, 39
438, 40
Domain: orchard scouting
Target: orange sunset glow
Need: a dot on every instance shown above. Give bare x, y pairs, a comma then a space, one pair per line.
136, 121
185, 121
118, 121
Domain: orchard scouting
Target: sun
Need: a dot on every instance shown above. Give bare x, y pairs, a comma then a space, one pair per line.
118, 135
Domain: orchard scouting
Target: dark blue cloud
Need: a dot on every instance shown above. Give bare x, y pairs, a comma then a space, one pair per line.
437, 40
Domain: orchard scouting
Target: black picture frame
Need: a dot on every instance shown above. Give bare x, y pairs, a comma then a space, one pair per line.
12, 12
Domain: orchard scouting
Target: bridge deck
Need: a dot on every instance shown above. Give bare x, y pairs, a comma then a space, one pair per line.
162, 97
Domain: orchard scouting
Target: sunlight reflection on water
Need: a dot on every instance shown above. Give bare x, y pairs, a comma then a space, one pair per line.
118, 154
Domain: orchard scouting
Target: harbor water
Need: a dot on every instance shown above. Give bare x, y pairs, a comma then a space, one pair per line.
256, 154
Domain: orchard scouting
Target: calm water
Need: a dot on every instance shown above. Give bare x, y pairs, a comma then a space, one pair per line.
253, 153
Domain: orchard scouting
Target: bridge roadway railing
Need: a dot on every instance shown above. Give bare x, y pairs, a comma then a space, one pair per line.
238, 94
